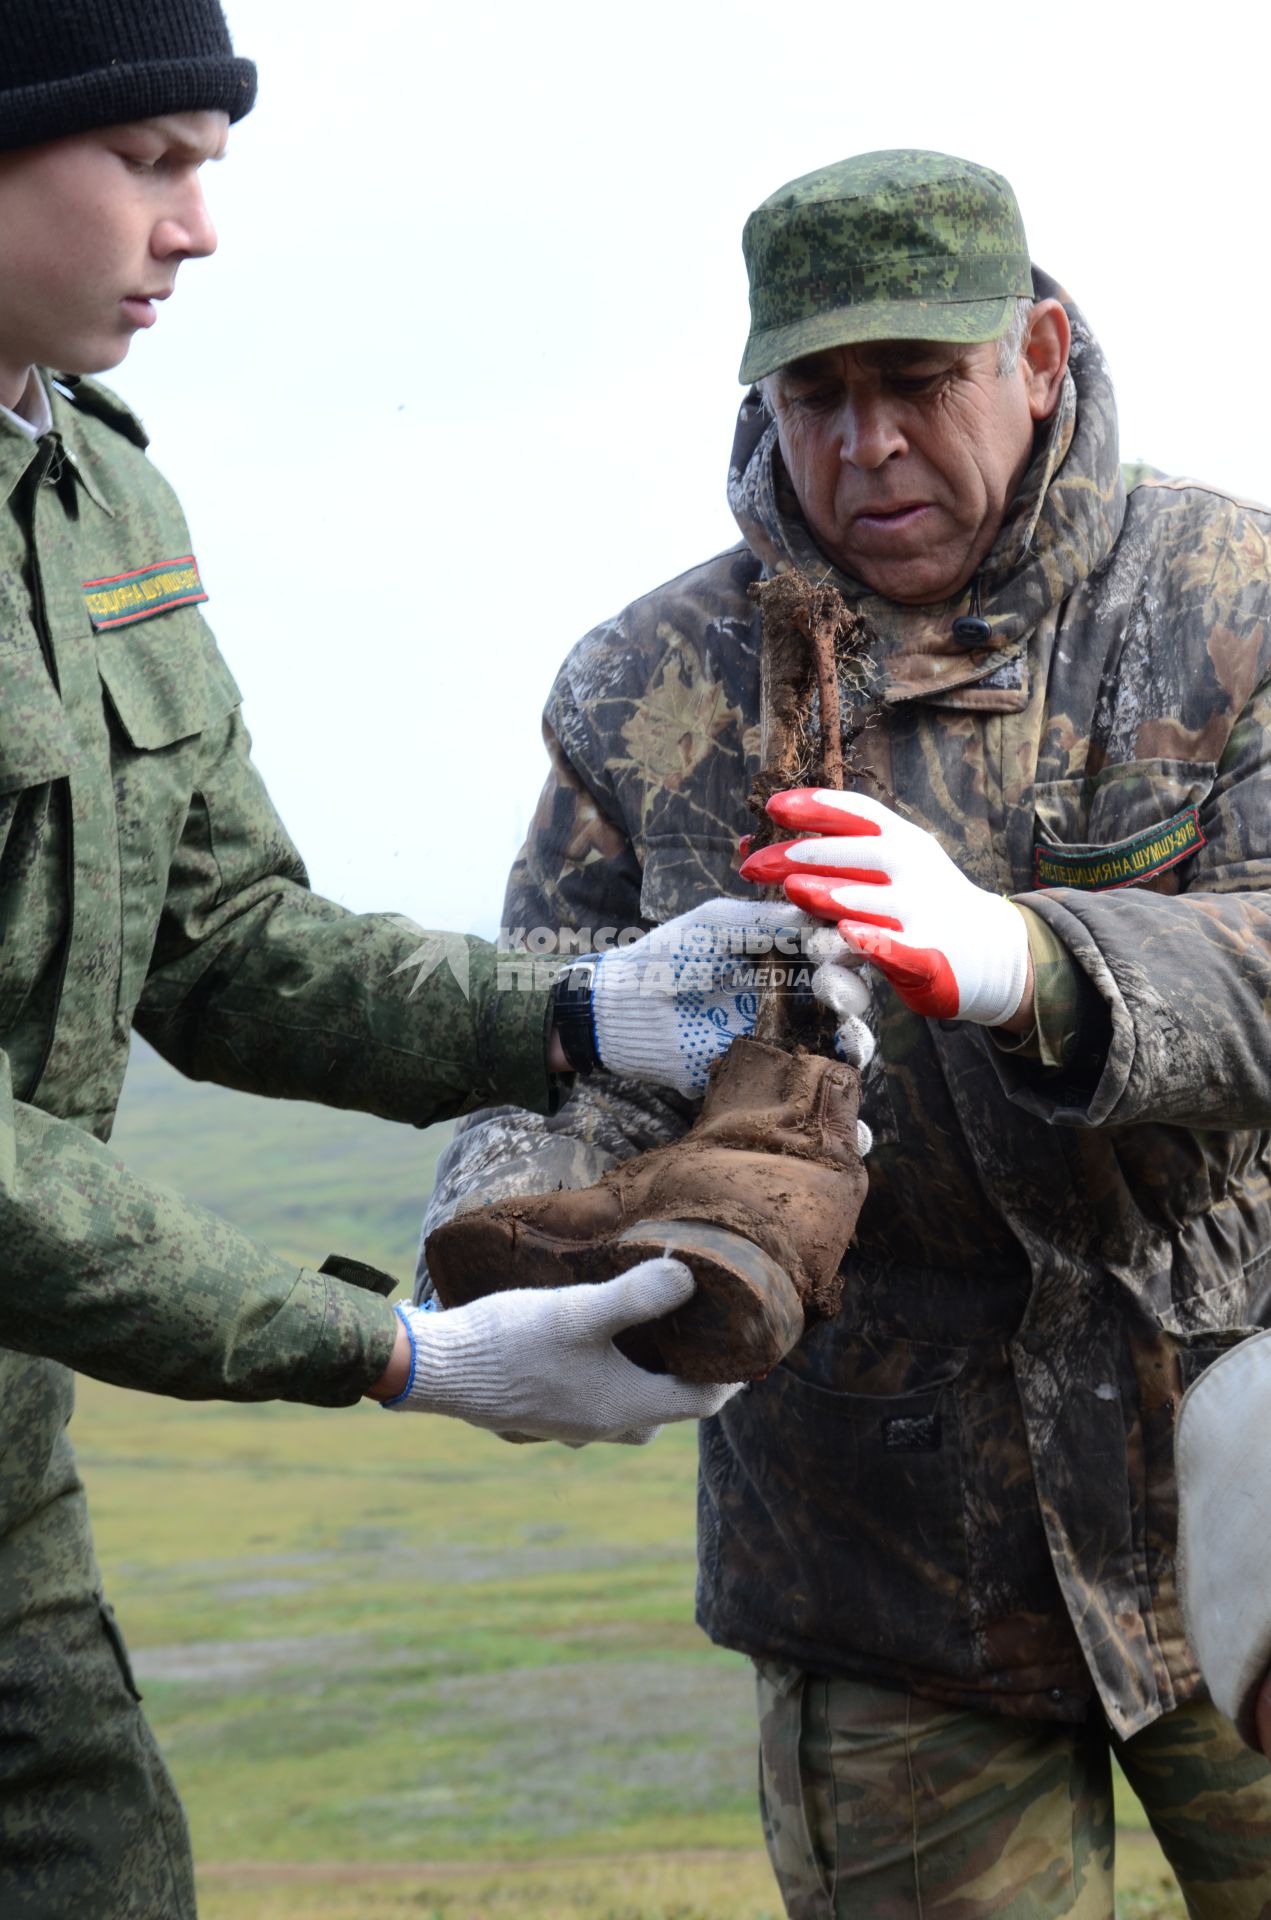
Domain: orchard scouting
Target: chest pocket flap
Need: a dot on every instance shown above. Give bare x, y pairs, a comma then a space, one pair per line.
166, 680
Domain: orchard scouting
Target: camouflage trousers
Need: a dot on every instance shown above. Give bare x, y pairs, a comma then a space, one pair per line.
90, 1823
881, 1805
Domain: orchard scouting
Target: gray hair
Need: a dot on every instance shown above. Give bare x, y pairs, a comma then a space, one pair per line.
1011, 343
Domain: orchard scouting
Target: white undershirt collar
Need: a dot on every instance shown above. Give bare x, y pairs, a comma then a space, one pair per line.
33, 415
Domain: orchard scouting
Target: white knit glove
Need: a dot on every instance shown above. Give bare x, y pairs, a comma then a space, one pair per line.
541, 1363
1223, 1457
673, 1001
949, 948
839, 984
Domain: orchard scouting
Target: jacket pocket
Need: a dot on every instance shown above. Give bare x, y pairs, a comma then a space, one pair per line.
165, 679
856, 1507
166, 684
1110, 822
115, 1640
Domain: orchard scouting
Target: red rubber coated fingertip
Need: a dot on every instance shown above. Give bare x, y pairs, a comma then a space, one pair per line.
921, 976
814, 896
767, 866
802, 811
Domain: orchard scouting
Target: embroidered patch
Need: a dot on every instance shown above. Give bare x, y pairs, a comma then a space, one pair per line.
123, 598
1125, 863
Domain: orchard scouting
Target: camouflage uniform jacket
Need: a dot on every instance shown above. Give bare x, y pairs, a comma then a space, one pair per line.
146, 880
964, 1483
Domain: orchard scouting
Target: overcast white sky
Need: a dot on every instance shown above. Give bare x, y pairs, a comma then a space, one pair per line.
461, 381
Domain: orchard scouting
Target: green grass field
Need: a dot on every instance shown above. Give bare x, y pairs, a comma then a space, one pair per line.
400, 1668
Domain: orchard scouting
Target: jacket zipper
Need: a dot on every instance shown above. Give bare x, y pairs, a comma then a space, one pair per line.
50, 449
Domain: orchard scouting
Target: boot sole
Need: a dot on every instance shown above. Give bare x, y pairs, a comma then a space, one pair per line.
745, 1315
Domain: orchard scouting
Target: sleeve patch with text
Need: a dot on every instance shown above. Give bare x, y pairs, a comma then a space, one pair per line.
123, 598
1125, 863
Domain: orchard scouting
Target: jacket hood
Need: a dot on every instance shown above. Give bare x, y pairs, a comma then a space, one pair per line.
1061, 525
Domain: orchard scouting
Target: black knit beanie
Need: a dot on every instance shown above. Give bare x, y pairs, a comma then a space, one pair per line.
68, 66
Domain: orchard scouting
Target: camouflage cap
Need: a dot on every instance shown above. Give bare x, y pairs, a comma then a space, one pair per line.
884, 246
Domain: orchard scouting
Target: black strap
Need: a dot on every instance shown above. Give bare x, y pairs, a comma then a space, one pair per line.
574, 1015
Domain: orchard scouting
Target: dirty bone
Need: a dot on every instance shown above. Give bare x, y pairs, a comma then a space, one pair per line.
761, 1196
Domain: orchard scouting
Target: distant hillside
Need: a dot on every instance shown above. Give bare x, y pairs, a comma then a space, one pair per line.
306, 1180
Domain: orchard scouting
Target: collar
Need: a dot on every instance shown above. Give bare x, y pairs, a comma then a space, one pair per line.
84, 464
23, 437
32, 416
19, 450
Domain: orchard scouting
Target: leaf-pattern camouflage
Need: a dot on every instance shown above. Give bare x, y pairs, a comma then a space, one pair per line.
146, 880
1044, 1257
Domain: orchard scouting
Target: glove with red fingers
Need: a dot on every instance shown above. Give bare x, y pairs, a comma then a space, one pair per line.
950, 949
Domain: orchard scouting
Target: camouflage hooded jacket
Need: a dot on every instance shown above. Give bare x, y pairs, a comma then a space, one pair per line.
964, 1482
145, 880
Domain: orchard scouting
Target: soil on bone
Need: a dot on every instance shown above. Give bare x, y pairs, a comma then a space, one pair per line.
814, 648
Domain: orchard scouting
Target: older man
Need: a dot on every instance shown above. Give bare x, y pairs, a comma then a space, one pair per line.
944, 1527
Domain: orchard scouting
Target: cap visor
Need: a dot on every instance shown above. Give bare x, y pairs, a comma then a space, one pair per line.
963, 322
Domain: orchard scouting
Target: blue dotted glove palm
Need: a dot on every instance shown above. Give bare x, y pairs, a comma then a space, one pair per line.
666, 1007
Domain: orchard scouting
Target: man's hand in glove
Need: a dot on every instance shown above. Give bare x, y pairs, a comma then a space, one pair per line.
541, 1361
667, 1006
950, 949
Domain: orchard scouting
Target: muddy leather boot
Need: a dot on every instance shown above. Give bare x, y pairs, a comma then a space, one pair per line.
759, 1199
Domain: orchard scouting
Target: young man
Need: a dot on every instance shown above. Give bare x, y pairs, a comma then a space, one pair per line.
145, 880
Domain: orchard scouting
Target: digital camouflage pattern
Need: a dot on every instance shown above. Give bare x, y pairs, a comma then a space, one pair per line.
884, 246
146, 881
124, 766
877, 1803
90, 1822
964, 1483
